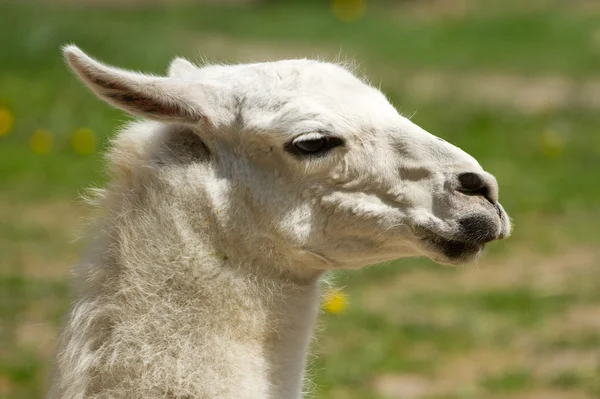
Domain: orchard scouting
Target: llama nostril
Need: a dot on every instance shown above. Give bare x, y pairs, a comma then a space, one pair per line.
473, 184
470, 181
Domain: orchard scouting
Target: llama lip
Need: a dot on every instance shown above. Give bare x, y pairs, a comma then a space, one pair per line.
452, 249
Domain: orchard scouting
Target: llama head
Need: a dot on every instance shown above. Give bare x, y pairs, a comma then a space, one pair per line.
310, 159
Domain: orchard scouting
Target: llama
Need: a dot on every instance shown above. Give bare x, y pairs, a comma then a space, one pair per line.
239, 187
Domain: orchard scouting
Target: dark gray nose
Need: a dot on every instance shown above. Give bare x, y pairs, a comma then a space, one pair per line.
483, 184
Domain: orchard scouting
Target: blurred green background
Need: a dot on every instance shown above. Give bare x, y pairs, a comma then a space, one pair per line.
515, 83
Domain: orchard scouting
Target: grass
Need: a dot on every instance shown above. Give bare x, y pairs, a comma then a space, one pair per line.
511, 381
516, 324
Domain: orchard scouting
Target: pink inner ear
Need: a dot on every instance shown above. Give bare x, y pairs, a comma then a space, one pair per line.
107, 85
143, 103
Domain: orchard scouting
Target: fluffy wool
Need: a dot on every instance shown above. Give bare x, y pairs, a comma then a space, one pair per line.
202, 276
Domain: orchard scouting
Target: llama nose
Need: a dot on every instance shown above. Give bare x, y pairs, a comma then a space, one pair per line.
483, 184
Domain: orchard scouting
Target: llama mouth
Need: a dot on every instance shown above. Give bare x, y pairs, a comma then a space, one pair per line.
454, 251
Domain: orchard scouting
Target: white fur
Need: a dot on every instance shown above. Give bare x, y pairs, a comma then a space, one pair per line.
202, 277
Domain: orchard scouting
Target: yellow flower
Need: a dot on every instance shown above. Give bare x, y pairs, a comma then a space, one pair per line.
552, 144
335, 301
84, 141
6, 121
348, 10
41, 141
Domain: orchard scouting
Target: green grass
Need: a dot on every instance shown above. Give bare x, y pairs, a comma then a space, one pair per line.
511, 381
407, 318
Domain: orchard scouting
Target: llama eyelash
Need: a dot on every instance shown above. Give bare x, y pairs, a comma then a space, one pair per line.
313, 145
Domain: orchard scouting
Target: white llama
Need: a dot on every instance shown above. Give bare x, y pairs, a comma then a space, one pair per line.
239, 189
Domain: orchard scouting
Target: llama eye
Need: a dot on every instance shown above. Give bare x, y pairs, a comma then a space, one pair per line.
318, 145
311, 146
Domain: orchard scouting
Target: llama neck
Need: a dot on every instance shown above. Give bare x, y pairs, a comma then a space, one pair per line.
287, 351
175, 317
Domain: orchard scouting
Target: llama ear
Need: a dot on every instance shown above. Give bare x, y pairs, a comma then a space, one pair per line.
182, 68
158, 98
